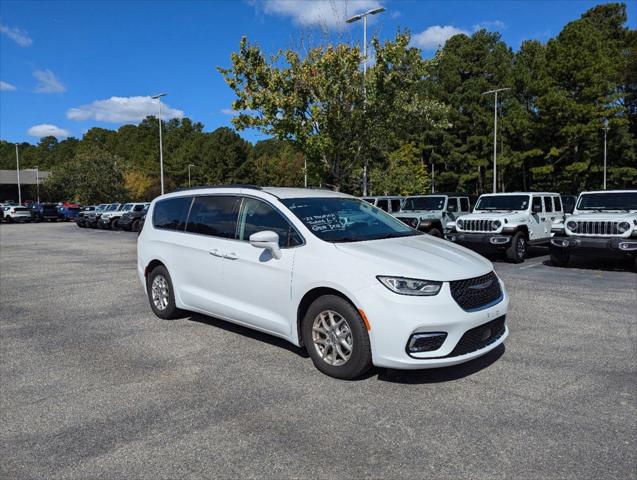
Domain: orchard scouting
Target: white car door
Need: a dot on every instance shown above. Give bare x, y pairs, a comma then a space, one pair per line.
536, 220
257, 286
549, 215
198, 255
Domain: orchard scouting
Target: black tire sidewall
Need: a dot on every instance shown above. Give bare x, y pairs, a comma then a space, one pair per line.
361, 359
512, 251
434, 232
171, 311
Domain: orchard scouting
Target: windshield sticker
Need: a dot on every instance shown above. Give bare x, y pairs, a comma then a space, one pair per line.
328, 222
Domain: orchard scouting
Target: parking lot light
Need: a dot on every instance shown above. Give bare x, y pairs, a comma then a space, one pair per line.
161, 153
495, 133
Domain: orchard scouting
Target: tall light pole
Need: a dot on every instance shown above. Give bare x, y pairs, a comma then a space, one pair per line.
17, 170
353, 19
605, 132
495, 134
190, 165
161, 151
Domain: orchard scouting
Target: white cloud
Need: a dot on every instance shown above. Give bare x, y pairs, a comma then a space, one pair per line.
435, 36
47, 130
490, 25
48, 82
228, 111
328, 13
4, 86
20, 37
122, 110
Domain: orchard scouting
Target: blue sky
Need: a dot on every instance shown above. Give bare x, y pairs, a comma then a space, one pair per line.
68, 66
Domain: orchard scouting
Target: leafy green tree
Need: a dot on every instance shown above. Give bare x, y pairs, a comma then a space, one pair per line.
91, 176
404, 174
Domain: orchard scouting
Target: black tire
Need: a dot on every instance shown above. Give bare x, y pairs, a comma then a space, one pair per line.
135, 226
434, 232
516, 252
114, 225
360, 359
559, 258
170, 311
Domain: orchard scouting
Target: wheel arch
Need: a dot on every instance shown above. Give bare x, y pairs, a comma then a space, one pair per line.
307, 300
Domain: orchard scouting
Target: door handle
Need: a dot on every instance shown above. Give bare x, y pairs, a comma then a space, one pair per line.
215, 253
230, 256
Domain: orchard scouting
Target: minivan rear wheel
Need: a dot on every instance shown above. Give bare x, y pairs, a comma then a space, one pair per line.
161, 295
336, 338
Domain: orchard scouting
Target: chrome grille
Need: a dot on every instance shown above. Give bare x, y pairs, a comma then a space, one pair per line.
600, 228
476, 225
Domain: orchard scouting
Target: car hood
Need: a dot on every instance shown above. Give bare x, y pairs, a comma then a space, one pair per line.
604, 216
419, 256
422, 214
516, 215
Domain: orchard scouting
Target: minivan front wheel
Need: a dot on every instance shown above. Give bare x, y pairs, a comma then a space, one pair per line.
336, 338
160, 293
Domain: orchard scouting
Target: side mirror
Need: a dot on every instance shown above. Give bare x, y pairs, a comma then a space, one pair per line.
536, 208
267, 239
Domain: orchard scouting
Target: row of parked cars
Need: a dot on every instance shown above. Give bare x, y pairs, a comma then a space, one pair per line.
113, 216
596, 223
38, 212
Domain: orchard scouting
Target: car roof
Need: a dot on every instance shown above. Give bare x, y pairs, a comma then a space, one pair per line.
440, 194
610, 191
518, 193
278, 192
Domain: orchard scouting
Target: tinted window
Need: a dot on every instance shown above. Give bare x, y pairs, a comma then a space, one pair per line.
608, 201
504, 202
464, 204
452, 205
138, 208
424, 203
548, 204
537, 204
214, 215
383, 205
257, 216
558, 204
395, 205
171, 213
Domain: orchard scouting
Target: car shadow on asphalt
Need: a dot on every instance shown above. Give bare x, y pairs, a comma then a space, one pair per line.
440, 375
532, 252
248, 332
597, 264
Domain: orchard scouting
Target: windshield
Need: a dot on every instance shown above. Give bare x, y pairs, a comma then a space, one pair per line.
112, 207
424, 203
127, 206
608, 201
502, 202
346, 219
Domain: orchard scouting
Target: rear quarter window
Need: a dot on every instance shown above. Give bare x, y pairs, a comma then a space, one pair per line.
172, 213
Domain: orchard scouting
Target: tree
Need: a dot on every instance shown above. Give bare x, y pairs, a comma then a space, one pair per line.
91, 176
405, 173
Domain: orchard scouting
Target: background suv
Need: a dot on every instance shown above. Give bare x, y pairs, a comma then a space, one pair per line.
432, 213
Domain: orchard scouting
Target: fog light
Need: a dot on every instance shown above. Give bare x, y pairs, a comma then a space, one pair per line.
425, 342
628, 246
499, 240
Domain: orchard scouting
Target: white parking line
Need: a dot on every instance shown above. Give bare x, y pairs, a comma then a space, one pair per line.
531, 265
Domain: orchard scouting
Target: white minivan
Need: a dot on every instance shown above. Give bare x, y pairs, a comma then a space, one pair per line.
323, 270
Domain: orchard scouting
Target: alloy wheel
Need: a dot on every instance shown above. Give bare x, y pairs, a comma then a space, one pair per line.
159, 291
332, 338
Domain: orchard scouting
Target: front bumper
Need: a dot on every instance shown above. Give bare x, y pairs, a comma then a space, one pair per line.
480, 241
580, 245
395, 318
20, 218
104, 222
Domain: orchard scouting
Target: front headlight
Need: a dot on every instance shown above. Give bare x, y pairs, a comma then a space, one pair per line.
572, 226
411, 286
460, 224
623, 227
495, 224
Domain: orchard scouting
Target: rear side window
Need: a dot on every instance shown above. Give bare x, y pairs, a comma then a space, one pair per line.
548, 204
558, 204
214, 215
395, 205
537, 204
464, 204
171, 214
257, 216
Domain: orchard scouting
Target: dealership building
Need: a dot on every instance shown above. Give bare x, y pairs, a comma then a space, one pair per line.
29, 178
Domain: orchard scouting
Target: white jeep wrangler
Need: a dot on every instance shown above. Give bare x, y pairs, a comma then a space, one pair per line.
509, 222
432, 213
603, 224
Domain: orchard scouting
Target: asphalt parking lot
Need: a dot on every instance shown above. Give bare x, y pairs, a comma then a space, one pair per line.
94, 386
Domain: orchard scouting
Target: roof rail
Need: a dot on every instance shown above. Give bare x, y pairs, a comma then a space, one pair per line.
230, 185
